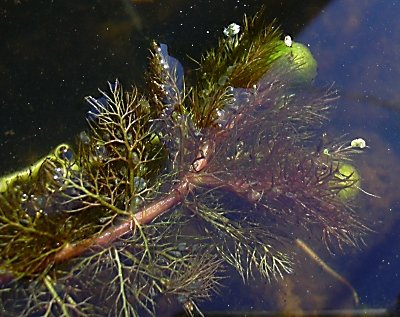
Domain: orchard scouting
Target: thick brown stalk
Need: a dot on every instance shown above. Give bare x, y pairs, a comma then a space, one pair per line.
238, 187
152, 211
195, 177
144, 216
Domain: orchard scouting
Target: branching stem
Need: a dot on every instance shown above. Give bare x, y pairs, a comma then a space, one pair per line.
144, 216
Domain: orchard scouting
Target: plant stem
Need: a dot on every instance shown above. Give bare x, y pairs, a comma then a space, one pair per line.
144, 216
195, 177
49, 284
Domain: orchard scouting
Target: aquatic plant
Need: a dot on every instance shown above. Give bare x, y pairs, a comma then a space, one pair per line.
170, 186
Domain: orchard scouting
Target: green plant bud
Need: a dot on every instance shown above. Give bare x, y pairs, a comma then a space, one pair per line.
298, 57
304, 61
349, 180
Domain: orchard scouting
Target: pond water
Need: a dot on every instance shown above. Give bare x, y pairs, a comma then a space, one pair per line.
53, 54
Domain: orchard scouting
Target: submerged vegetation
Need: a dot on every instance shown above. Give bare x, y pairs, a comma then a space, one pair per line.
169, 187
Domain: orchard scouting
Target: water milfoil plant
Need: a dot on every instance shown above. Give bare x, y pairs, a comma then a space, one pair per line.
169, 187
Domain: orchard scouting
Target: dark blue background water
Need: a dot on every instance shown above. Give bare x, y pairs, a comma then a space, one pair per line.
356, 45
53, 54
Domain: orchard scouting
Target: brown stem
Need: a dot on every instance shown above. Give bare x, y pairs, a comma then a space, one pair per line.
195, 177
146, 215
238, 187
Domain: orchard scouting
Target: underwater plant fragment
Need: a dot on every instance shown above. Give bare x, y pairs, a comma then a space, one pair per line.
169, 187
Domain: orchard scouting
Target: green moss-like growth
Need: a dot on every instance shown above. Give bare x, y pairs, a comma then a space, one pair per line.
238, 61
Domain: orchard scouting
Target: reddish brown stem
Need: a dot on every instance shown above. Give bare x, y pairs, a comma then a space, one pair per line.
195, 177
238, 187
144, 216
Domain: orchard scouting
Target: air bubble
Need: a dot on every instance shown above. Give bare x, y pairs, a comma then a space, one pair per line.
103, 220
290, 195
135, 158
84, 138
106, 137
222, 80
139, 183
24, 197
100, 152
254, 196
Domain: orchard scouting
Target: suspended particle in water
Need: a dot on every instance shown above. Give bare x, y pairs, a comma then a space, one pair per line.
139, 183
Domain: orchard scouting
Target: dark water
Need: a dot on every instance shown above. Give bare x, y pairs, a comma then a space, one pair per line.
53, 54
356, 46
